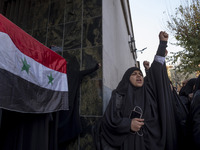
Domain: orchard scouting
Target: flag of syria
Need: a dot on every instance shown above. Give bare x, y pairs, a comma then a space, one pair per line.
33, 78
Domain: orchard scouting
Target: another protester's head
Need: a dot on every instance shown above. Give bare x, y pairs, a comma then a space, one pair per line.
184, 82
188, 88
132, 76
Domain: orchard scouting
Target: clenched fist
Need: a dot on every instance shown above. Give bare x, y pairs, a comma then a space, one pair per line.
146, 64
163, 36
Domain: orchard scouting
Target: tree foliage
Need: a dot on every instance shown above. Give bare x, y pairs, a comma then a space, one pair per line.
185, 27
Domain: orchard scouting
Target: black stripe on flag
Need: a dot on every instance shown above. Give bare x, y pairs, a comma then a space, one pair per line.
19, 95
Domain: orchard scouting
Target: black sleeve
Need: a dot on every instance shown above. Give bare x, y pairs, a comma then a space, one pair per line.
161, 48
89, 71
146, 71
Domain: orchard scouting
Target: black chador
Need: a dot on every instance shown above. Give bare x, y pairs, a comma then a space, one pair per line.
154, 102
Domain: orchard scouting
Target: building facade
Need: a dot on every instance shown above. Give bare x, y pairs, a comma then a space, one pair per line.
86, 32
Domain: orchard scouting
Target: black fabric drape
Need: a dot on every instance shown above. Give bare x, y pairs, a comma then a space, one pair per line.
194, 118
69, 121
181, 116
20, 131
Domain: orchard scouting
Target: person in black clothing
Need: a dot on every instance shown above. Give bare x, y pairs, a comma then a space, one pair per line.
187, 92
181, 113
69, 121
182, 87
140, 113
194, 118
181, 116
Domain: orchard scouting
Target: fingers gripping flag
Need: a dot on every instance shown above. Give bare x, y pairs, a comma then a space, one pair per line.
33, 78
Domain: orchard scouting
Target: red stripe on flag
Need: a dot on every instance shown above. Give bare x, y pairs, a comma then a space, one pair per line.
31, 47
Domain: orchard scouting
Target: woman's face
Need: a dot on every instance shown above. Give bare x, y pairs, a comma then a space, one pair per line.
136, 78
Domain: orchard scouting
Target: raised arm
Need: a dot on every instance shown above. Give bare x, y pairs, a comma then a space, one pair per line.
158, 68
162, 52
159, 85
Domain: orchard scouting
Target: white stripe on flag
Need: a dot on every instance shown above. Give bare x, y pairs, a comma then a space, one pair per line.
11, 59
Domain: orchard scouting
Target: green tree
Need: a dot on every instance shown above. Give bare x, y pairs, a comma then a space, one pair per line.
185, 27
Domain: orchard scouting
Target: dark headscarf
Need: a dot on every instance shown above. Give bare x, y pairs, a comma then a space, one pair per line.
123, 84
188, 88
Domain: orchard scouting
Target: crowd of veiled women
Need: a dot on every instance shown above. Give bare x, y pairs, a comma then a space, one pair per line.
147, 113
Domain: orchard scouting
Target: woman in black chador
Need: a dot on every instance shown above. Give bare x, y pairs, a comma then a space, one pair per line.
140, 112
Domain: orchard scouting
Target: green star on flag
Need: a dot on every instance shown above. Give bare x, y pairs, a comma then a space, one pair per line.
25, 66
50, 79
